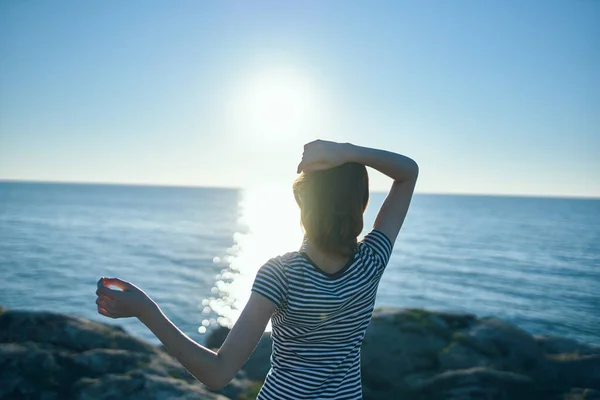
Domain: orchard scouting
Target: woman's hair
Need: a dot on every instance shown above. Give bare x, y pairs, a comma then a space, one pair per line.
332, 203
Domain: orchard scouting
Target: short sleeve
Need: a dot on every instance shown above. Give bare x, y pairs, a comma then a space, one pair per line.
271, 282
380, 247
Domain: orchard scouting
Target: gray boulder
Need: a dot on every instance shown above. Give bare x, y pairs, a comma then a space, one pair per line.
52, 356
417, 354
407, 353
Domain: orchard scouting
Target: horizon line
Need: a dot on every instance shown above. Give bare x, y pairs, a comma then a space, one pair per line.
192, 186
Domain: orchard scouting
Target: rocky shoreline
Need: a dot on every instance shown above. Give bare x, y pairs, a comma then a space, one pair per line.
407, 354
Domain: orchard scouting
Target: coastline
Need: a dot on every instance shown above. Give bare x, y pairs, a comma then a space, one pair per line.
407, 353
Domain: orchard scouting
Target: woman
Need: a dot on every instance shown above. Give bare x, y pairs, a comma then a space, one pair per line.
320, 299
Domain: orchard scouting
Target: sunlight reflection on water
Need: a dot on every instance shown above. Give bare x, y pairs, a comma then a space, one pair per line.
269, 225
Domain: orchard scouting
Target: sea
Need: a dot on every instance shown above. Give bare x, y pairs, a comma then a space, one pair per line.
534, 262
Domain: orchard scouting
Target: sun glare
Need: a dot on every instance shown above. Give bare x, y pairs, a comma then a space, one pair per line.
270, 226
276, 103
274, 108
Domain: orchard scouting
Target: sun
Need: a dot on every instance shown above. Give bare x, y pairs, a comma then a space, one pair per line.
276, 103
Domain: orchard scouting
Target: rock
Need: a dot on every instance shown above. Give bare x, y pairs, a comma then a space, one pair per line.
408, 353
104, 361
65, 331
259, 363
216, 337
136, 386
53, 356
575, 371
508, 347
454, 320
239, 387
477, 383
459, 356
416, 354
580, 394
560, 345
399, 343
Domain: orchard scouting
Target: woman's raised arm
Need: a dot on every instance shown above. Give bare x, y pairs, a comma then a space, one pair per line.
404, 171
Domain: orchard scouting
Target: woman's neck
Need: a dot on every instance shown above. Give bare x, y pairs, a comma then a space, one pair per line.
326, 261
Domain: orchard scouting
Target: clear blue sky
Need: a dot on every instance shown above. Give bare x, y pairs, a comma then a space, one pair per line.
488, 96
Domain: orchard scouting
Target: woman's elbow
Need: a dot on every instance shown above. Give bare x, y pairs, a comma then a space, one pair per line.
216, 385
415, 170
213, 387
218, 382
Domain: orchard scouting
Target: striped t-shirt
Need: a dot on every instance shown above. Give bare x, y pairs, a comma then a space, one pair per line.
320, 321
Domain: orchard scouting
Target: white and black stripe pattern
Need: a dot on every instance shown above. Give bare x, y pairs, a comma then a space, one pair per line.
320, 321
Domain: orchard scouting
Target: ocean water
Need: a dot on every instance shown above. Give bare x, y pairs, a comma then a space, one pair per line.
534, 262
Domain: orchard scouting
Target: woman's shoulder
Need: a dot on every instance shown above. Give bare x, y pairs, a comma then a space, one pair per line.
375, 247
287, 259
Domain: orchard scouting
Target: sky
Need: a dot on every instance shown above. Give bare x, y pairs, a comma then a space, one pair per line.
489, 97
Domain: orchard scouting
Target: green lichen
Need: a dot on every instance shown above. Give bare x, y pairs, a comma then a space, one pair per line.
142, 363
413, 315
447, 348
87, 381
173, 373
564, 356
454, 339
419, 315
419, 320
458, 337
252, 392
575, 396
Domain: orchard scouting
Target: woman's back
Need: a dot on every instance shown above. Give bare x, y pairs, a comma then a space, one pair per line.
320, 321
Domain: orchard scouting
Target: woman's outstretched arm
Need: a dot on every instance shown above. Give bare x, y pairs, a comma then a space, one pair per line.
404, 171
213, 369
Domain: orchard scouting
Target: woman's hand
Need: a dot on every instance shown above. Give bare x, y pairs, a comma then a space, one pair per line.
322, 154
130, 301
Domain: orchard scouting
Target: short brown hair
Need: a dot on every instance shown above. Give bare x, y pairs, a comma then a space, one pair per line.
332, 203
